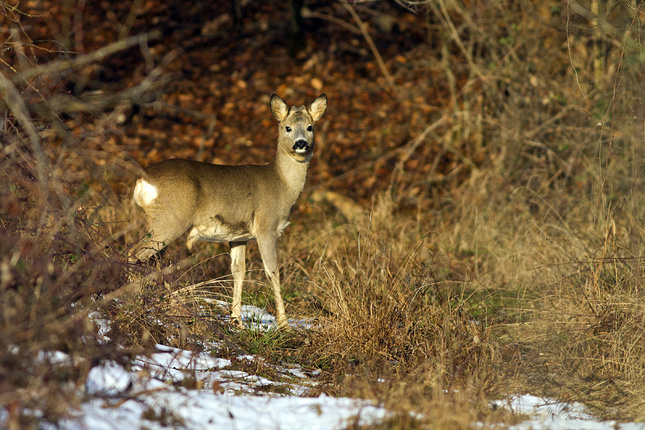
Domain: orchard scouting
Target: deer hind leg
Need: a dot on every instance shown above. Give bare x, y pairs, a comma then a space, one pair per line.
146, 249
267, 246
238, 270
159, 236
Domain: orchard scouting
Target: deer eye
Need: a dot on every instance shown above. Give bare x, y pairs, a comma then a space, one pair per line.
288, 129
310, 128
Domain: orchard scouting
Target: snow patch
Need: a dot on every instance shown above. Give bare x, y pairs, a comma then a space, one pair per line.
109, 379
554, 415
146, 398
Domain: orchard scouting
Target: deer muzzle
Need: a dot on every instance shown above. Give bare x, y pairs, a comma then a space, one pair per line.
301, 145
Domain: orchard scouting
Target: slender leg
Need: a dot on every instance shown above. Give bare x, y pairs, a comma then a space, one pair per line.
238, 270
267, 246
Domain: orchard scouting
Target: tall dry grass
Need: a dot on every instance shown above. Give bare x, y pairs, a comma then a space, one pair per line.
536, 254
551, 223
387, 325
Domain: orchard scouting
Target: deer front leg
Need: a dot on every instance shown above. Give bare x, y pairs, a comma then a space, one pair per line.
267, 246
238, 270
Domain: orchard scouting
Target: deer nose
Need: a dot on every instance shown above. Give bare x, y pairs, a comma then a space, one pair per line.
300, 144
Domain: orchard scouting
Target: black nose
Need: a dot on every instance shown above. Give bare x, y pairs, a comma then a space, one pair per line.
301, 144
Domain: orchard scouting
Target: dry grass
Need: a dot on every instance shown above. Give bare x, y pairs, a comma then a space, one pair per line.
390, 326
56, 260
517, 269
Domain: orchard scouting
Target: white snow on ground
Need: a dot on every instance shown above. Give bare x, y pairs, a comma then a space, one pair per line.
150, 395
159, 406
109, 379
549, 414
129, 400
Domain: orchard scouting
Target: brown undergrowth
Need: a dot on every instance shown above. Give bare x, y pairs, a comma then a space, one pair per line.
392, 327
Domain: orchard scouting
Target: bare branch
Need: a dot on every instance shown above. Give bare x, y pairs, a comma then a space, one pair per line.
56, 67
370, 42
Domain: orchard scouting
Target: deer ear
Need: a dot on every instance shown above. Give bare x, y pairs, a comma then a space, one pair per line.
318, 107
279, 108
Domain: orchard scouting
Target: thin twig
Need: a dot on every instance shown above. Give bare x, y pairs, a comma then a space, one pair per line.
413, 145
575, 71
18, 108
331, 18
409, 147
370, 42
447, 21
57, 67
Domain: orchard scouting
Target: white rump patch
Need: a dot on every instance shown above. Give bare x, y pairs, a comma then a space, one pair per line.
144, 193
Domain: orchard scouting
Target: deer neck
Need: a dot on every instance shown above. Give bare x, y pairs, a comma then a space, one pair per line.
292, 172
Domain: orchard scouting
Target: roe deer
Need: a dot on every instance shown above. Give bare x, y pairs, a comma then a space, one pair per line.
232, 203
